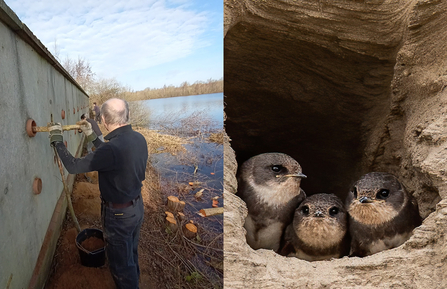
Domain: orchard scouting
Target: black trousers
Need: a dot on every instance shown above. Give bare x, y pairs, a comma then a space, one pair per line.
121, 233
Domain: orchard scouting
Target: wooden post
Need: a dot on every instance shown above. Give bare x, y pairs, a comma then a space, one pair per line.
171, 223
175, 205
190, 230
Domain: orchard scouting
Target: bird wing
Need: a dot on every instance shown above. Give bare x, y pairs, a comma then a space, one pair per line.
289, 238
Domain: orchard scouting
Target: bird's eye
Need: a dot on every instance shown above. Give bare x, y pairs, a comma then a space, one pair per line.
305, 210
333, 211
383, 194
354, 191
277, 168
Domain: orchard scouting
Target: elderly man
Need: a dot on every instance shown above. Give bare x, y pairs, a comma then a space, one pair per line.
121, 164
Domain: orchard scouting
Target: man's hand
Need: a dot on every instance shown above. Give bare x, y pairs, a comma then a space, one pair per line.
55, 133
86, 128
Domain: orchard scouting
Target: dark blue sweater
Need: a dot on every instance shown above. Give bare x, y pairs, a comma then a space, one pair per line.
121, 164
95, 126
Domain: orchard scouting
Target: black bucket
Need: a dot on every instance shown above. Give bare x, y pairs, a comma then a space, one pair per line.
96, 258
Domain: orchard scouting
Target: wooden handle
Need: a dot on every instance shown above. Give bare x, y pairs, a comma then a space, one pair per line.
64, 127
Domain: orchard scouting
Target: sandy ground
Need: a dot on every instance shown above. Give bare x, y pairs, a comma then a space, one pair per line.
67, 269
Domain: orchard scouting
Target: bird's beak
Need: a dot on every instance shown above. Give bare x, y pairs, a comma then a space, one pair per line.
318, 214
298, 175
365, 200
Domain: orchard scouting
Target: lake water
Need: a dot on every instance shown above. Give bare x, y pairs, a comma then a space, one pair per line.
193, 117
176, 108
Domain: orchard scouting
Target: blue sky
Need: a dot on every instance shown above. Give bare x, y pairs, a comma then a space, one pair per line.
140, 43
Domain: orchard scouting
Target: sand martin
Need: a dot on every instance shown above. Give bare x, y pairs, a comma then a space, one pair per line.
269, 184
382, 214
319, 230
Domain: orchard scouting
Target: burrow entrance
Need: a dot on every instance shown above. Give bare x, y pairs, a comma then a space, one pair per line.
319, 102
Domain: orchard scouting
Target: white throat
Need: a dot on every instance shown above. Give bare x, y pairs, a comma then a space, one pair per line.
275, 194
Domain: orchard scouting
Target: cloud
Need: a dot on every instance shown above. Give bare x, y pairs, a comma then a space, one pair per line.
120, 37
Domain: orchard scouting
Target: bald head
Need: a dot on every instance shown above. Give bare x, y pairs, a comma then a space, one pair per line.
115, 111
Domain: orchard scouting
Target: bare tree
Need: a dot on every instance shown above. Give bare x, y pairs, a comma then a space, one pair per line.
81, 71
104, 89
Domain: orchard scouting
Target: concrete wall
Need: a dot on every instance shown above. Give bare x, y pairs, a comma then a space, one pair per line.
32, 85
